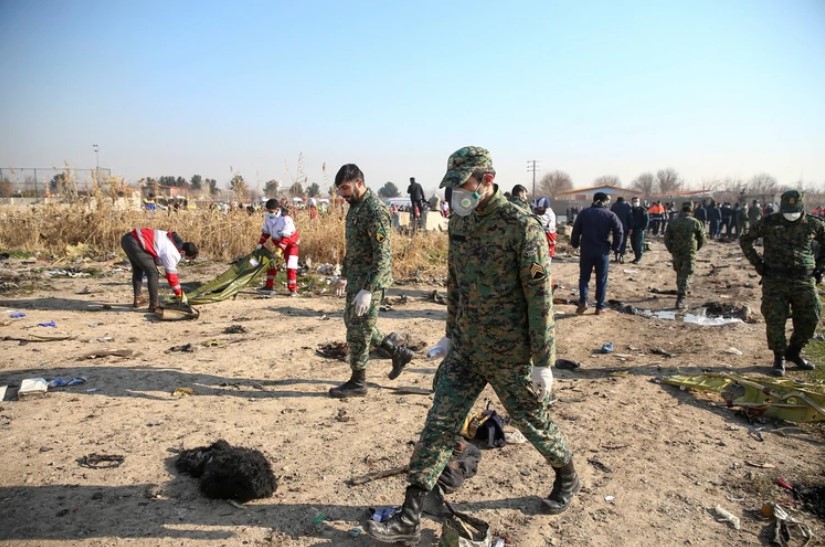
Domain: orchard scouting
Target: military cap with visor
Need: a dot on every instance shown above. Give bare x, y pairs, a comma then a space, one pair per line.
791, 202
463, 162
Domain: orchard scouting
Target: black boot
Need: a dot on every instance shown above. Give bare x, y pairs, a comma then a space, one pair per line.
778, 363
404, 526
434, 505
793, 355
356, 386
680, 301
401, 355
566, 485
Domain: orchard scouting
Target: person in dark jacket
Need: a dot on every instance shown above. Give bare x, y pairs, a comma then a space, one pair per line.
591, 232
714, 220
701, 215
727, 219
639, 220
416, 193
622, 210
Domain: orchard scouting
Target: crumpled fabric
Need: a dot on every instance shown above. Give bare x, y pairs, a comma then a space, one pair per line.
381, 514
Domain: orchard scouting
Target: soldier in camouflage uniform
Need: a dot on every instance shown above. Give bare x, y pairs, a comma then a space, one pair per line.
519, 197
367, 271
683, 237
499, 318
789, 271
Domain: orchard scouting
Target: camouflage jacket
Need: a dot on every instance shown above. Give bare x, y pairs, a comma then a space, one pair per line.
368, 262
684, 235
499, 298
786, 249
521, 203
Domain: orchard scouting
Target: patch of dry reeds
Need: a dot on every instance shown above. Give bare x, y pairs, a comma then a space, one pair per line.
52, 228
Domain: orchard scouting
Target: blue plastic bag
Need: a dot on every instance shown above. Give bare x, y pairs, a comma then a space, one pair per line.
17, 315
48, 324
66, 382
607, 347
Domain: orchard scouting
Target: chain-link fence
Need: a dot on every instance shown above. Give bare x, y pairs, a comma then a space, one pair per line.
48, 181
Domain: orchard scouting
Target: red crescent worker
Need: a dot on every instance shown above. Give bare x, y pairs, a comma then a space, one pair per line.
279, 226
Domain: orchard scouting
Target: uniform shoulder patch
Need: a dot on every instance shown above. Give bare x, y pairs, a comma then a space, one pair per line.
537, 271
530, 249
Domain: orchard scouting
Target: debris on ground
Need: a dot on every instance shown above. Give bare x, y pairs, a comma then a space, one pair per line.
334, 350
107, 353
784, 399
438, 298
235, 329
660, 351
721, 309
101, 461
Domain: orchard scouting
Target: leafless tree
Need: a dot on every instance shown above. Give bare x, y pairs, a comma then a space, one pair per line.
644, 183
763, 184
555, 182
608, 180
669, 181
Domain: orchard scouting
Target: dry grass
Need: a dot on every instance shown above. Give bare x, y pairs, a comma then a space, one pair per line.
51, 228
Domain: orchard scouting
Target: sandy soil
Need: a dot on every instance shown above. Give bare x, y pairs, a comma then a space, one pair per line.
654, 460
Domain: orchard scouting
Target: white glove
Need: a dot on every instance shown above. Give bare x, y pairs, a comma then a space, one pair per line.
258, 247
362, 302
341, 287
440, 349
542, 378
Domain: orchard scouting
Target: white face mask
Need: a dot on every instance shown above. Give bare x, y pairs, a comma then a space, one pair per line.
792, 217
463, 202
275, 215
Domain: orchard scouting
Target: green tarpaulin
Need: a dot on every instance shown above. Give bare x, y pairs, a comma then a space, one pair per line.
241, 274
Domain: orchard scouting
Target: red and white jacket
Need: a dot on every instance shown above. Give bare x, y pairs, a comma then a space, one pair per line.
281, 229
159, 244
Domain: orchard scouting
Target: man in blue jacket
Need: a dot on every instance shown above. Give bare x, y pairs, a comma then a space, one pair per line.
592, 231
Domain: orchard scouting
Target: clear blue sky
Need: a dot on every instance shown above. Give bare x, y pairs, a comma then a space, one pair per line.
712, 89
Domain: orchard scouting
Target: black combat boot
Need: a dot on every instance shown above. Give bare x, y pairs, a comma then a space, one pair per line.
680, 302
566, 485
434, 505
405, 525
356, 386
401, 355
778, 363
793, 355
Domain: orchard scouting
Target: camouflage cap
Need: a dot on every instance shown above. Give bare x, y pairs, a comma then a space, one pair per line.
463, 162
792, 202
687, 206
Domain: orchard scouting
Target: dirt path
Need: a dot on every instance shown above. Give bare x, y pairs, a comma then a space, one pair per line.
654, 460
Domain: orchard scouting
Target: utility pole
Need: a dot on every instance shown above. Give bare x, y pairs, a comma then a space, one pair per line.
531, 166
97, 163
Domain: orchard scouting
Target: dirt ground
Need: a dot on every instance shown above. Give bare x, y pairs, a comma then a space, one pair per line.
655, 461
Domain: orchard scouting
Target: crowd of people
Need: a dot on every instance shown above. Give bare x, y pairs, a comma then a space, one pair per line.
500, 327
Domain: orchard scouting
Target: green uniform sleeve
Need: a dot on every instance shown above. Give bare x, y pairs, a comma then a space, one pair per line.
452, 293
820, 238
379, 236
747, 240
700, 235
534, 271
669, 238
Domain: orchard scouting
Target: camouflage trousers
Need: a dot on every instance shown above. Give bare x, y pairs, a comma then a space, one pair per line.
457, 384
781, 294
362, 332
683, 265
